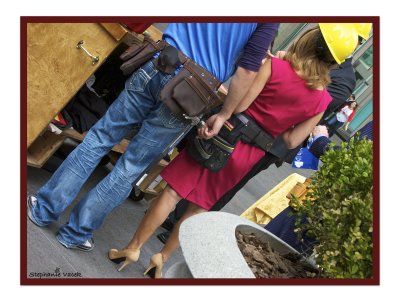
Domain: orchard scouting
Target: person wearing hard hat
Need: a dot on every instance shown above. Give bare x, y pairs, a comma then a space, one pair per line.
343, 78
342, 84
288, 98
363, 29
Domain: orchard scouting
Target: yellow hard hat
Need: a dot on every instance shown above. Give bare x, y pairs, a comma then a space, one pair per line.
363, 29
341, 38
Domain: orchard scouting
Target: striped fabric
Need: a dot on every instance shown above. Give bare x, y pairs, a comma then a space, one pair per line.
366, 131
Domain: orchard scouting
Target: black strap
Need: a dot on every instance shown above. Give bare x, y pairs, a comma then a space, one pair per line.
253, 134
264, 141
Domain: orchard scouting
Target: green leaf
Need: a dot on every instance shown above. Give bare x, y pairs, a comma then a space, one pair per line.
340, 218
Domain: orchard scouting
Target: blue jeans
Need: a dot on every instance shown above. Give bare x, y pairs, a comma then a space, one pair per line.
333, 124
332, 120
137, 103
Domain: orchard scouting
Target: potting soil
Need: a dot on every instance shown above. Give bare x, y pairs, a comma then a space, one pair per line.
267, 263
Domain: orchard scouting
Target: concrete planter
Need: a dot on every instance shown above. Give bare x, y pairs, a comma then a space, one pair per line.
178, 270
210, 248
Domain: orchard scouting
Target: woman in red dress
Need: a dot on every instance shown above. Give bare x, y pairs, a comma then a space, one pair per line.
287, 97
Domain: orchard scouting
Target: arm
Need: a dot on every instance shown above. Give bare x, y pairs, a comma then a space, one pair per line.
256, 88
319, 146
249, 64
346, 126
296, 135
237, 100
320, 141
257, 46
351, 116
240, 84
253, 54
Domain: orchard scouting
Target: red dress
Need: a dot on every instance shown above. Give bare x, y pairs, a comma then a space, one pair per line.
284, 102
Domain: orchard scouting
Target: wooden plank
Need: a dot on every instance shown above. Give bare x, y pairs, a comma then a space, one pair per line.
160, 186
117, 31
43, 148
71, 133
151, 176
56, 69
122, 146
154, 33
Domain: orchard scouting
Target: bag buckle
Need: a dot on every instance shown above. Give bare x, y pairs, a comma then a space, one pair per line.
193, 120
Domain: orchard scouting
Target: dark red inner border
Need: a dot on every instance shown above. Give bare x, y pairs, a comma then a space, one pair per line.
24, 280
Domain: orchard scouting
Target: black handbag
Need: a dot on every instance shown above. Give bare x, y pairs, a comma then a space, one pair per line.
214, 153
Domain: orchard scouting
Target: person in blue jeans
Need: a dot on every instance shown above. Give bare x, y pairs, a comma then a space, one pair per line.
224, 49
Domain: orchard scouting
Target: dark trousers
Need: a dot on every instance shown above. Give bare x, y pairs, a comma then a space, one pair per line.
283, 226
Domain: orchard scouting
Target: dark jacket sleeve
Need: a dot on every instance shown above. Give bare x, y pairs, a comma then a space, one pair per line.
319, 146
343, 82
256, 49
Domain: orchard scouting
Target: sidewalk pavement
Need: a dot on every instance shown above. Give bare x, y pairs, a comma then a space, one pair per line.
46, 255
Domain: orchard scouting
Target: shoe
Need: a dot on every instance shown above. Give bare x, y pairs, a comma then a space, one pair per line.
168, 224
32, 201
127, 256
163, 237
87, 246
155, 267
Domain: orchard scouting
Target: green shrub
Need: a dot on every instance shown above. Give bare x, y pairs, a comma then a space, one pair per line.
340, 218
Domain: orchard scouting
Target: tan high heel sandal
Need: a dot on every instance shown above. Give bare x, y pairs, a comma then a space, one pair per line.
127, 256
155, 267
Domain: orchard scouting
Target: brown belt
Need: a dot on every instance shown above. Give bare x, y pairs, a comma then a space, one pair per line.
179, 59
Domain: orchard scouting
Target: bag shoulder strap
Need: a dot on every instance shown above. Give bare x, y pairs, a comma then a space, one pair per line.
253, 134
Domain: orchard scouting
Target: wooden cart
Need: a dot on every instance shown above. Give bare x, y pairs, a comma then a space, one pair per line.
60, 59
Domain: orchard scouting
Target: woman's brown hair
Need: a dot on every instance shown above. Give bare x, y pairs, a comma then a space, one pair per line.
311, 58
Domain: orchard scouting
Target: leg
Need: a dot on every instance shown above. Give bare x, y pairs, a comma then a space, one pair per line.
331, 121
261, 165
334, 127
153, 138
173, 242
157, 260
155, 216
157, 213
159, 128
65, 183
283, 226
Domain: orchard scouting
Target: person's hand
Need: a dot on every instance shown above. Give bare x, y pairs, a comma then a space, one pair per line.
212, 126
320, 130
280, 54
